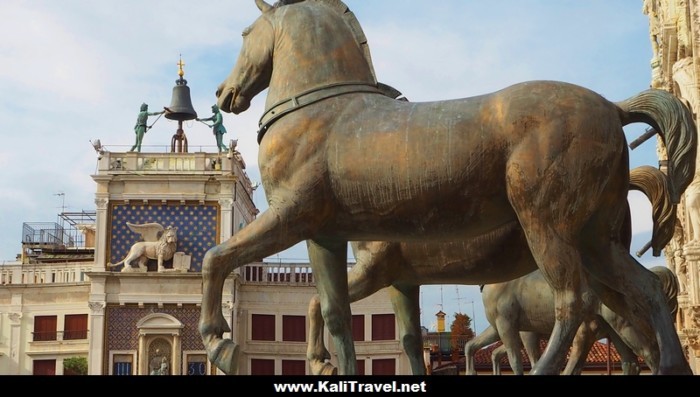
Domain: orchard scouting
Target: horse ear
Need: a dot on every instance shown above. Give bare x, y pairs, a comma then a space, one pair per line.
263, 6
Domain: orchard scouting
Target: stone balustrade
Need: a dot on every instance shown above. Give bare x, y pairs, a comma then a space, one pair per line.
69, 273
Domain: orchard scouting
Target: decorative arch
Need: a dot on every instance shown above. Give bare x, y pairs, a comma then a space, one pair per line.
159, 344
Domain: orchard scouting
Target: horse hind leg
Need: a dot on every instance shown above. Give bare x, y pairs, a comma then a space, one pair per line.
559, 260
496, 357
316, 352
635, 293
583, 341
531, 342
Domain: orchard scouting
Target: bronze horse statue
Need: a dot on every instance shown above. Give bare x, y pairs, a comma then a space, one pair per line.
340, 160
518, 308
404, 267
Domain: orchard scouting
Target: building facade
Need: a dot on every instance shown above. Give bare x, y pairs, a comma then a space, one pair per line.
73, 297
674, 29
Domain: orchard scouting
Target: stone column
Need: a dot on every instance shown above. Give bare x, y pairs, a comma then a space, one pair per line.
692, 257
176, 362
15, 346
97, 338
226, 205
142, 356
102, 224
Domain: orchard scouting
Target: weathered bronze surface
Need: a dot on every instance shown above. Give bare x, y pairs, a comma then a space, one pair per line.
547, 157
526, 306
496, 259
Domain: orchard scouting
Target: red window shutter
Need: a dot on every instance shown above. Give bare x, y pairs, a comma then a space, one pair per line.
383, 327
75, 327
358, 327
360, 367
293, 367
262, 367
263, 327
45, 328
294, 328
384, 366
44, 367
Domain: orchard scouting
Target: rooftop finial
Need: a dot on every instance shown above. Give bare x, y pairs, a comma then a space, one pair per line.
180, 64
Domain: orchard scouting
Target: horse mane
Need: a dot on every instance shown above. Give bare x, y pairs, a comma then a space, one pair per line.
350, 20
669, 285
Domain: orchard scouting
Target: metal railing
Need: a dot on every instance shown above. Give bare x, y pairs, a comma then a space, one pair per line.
48, 336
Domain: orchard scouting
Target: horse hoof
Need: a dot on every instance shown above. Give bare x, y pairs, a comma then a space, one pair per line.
225, 356
322, 368
329, 369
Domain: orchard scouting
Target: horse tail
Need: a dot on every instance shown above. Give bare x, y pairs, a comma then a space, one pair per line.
670, 287
655, 185
672, 119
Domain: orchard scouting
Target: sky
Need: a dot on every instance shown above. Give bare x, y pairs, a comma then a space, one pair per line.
74, 71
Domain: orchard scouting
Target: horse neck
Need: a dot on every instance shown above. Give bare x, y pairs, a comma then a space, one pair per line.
305, 59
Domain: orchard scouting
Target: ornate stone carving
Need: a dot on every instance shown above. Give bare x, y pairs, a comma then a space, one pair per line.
101, 203
161, 248
695, 316
226, 203
677, 259
15, 317
694, 343
96, 307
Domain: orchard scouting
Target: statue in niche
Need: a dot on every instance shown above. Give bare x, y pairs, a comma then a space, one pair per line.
159, 364
678, 264
161, 248
162, 368
692, 202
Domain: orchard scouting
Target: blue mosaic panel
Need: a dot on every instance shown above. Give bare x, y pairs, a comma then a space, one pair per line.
196, 229
122, 334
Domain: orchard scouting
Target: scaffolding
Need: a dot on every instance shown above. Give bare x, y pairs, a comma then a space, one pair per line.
75, 231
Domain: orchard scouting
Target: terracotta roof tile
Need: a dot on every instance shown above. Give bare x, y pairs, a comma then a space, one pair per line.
597, 358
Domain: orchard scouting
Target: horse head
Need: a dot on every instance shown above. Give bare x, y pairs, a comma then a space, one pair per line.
252, 71
283, 51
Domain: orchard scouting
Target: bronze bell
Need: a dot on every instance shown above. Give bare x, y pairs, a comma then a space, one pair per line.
181, 108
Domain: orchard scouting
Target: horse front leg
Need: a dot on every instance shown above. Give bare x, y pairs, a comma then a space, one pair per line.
489, 336
329, 265
263, 237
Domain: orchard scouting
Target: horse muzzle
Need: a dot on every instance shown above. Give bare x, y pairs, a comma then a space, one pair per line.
230, 100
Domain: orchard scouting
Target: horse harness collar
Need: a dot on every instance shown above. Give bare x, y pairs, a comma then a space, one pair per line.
286, 106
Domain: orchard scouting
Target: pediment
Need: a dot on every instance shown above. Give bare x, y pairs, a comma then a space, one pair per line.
159, 321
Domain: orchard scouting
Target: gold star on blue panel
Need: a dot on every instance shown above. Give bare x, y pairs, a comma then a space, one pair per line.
196, 228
